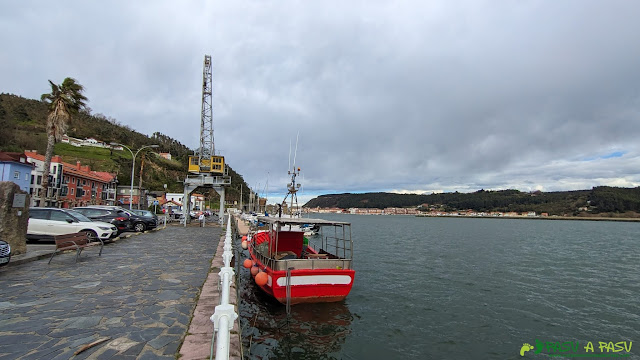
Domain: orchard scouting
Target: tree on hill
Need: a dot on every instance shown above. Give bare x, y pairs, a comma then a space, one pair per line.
64, 100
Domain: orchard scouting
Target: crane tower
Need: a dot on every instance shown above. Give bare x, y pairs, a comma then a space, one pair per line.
206, 169
206, 125
205, 160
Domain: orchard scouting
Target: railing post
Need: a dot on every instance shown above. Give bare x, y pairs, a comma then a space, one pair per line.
224, 315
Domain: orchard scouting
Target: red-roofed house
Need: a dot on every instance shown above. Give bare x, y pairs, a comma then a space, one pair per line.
82, 186
71, 185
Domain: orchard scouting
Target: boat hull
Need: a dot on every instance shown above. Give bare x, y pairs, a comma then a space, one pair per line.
308, 285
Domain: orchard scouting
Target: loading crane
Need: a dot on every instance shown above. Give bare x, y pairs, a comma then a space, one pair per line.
206, 169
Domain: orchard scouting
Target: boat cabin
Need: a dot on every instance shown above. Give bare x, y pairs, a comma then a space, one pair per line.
285, 241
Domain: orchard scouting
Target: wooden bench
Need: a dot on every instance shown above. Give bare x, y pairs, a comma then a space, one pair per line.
76, 241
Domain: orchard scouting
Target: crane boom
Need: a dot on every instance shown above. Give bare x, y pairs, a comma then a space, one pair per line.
205, 161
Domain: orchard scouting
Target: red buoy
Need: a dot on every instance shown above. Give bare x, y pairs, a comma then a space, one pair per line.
261, 278
247, 263
254, 270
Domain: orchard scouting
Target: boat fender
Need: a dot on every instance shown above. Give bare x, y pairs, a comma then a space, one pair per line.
247, 263
254, 270
245, 245
261, 278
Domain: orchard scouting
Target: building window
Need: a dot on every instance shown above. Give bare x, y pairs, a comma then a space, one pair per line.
39, 180
72, 190
77, 181
54, 169
84, 182
33, 178
16, 175
26, 177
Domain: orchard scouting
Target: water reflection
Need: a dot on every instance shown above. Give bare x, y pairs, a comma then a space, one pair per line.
312, 331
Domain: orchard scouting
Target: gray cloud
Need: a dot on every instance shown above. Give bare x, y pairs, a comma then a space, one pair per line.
409, 96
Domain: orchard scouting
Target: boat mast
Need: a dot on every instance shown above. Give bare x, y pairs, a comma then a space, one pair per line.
292, 187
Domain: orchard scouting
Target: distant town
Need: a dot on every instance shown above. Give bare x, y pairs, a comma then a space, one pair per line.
420, 212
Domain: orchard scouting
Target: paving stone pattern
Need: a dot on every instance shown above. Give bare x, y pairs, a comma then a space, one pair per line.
140, 293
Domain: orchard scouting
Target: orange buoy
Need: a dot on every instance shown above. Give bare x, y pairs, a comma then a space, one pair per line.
244, 237
247, 263
254, 270
245, 245
261, 278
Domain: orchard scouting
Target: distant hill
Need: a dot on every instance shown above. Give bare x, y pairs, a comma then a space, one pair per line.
599, 200
23, 128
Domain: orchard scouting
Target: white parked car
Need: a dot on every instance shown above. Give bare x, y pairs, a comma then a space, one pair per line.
47, 222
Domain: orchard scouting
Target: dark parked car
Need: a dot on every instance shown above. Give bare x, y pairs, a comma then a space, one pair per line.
115, 215
5, 253
150, 219
135, 222
146, 213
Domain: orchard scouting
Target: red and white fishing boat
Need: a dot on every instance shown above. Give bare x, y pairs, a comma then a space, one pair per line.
300, 269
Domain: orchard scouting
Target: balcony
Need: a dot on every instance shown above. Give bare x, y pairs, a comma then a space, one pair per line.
109, 194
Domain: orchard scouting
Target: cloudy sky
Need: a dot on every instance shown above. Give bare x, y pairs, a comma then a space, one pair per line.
406, 96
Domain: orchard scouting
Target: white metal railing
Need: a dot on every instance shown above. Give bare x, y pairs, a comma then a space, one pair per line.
224, 315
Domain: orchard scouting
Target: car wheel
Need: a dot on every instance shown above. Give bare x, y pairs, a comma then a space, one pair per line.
139, 227
91, 235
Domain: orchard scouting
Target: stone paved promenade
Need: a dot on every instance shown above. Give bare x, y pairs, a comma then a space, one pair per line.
140, 294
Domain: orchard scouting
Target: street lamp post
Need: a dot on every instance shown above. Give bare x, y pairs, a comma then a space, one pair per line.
133, 167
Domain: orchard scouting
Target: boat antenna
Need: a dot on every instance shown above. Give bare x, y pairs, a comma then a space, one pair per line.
289, 166
264, 193
296, 152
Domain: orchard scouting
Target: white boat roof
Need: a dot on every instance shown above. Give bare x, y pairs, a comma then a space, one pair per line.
300, 221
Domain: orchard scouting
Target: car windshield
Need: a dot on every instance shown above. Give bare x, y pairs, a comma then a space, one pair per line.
79, 216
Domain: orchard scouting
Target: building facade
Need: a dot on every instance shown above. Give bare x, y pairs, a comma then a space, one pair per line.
197, 200
40, 197
14, 167
138, 199
81, 186
70, 185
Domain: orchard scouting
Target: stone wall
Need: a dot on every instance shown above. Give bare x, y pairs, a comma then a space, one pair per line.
14, 220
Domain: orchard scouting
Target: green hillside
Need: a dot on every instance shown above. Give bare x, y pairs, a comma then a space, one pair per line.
602, 200
23, 128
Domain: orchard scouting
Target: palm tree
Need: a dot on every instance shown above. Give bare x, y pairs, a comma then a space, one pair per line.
63, 101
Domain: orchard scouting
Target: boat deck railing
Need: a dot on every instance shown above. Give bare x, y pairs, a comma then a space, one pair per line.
337, 246
224, 315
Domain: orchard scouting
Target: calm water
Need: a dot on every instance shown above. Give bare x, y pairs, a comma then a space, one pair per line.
448, 288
